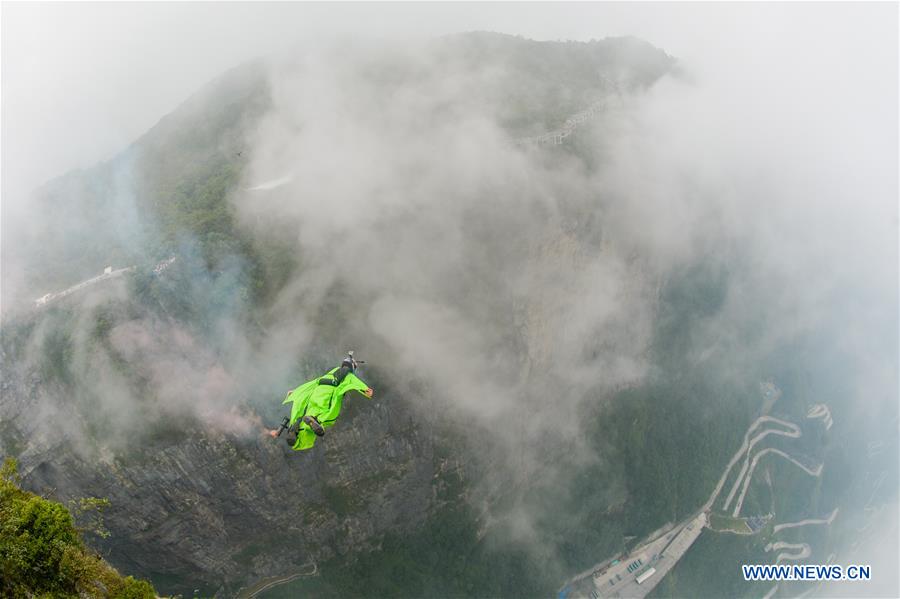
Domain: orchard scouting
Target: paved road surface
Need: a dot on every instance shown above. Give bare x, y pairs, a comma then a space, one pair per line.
660, 553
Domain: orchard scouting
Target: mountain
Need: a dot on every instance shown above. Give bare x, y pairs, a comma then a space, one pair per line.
559, 365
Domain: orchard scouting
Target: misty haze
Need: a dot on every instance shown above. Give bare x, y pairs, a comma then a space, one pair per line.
620, 283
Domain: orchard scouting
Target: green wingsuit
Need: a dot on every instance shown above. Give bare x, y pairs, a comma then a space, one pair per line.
322, 401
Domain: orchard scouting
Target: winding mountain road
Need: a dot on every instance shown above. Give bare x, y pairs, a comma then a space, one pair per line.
807, 522
744, 448
817, 471
793, 433
801, 551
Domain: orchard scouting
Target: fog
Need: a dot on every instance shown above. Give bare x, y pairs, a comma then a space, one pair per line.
82, 80
776, 142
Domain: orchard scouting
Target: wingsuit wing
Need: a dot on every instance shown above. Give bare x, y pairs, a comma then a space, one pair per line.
350, 383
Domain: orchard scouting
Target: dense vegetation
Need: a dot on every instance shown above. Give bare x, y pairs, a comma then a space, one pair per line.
42, 552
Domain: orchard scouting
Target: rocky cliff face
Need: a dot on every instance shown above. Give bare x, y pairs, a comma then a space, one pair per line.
215, 510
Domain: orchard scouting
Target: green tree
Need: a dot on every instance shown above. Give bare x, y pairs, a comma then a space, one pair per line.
42, 553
